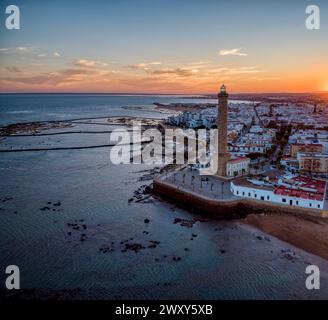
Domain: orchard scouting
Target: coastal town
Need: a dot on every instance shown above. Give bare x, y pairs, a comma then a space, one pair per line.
270, 155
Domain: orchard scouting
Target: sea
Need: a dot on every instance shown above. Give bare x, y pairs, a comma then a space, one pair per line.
72, 223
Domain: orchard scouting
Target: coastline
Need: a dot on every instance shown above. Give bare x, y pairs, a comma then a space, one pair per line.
305, 230
307, 233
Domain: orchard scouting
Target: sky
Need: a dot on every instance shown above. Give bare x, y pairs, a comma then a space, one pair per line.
157, 46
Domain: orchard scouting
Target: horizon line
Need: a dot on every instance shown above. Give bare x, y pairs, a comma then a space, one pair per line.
162, 94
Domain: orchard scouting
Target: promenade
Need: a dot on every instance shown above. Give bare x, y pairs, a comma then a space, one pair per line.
212, 187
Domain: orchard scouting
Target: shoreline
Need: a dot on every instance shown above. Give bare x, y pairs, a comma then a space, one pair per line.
302, 229
307, 233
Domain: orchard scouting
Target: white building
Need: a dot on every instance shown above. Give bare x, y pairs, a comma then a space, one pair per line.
238, 166
244, 149
297, 191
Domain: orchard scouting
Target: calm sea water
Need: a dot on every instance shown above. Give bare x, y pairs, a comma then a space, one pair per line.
223, 260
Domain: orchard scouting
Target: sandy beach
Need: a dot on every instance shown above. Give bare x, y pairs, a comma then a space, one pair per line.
308, 233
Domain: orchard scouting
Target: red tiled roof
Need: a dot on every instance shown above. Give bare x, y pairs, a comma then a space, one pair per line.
318, 185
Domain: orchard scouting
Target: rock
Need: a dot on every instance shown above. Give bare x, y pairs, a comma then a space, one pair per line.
154, 242
134, 247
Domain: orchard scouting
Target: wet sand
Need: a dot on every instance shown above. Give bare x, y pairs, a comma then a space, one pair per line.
307, 233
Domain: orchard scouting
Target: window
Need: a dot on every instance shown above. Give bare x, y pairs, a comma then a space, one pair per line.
310, 204
319, 206
243, 193
297, 202
237, 192
262, 198
255, 195
283, 200
249, 194
268, 197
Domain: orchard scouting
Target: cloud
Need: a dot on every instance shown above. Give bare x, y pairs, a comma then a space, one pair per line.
144, 65
17, 49
56, 54
59, 77
13, 69
181, 72
89, 63
23, 49
231, 71
199, 64
232, 52
42, 55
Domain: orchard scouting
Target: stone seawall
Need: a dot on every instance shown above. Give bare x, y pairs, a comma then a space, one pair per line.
226, 209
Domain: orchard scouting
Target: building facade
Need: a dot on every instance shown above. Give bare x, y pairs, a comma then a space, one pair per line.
305, 147
238, 166
313, 163
300, 192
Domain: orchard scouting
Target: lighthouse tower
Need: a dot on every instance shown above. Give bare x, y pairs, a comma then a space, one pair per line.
222, 122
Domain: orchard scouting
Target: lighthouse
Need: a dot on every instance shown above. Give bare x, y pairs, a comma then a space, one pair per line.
221, 122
